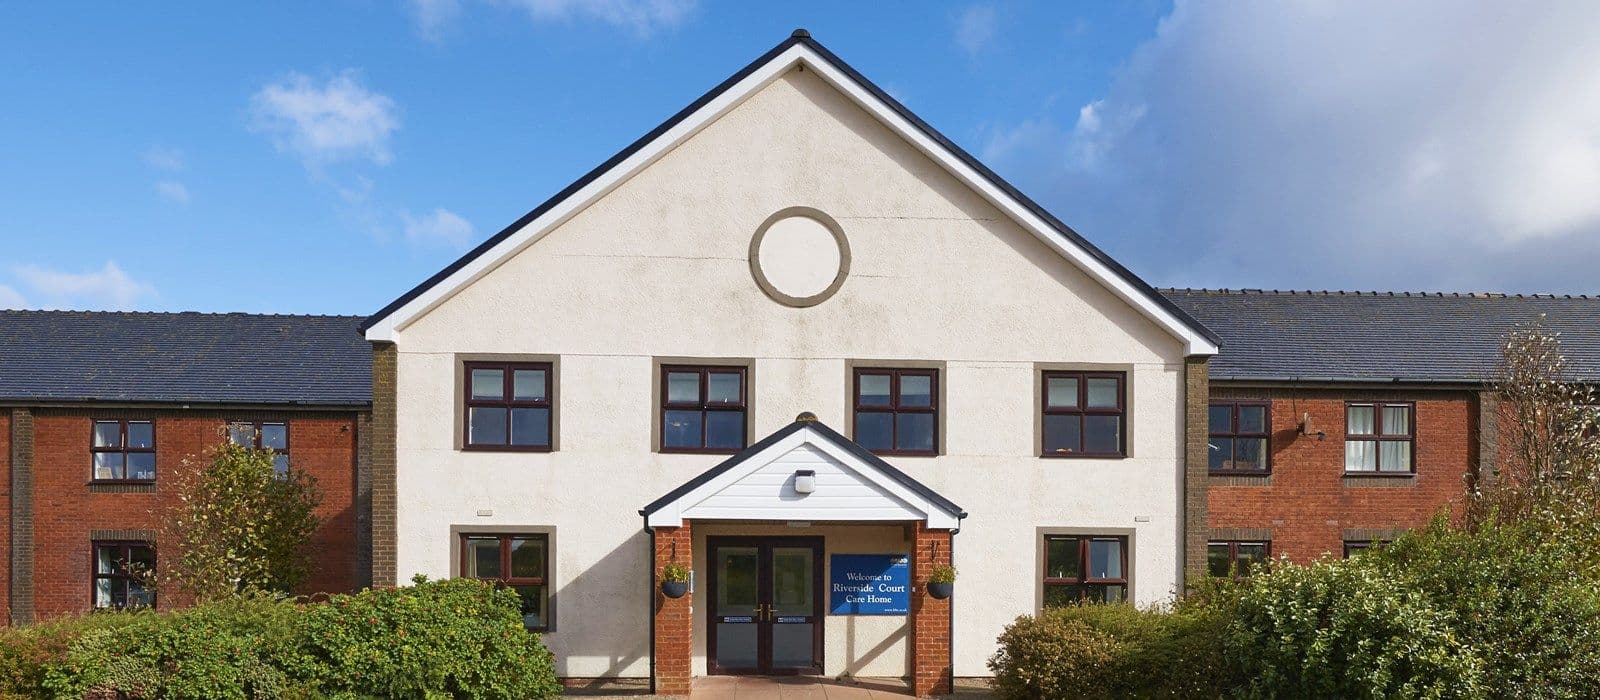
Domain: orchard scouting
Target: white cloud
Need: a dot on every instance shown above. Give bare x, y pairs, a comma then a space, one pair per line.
440, 226
11, 298
643, 17
434, 17
1314, 144
325, 122
106, 288
164, 158
975, 28
174, 191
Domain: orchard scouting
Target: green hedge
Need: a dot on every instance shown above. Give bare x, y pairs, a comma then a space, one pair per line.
1495, 611
456, 638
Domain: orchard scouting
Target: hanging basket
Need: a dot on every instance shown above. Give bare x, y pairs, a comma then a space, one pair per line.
674, 589
941, 591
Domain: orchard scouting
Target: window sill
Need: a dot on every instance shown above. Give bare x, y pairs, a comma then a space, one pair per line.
122, 486
1379, 480
898, 453
1240, 472
698, 451
506, 448
1083, 455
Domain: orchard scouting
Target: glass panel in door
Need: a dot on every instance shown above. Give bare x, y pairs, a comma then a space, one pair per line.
738, 607
793, 607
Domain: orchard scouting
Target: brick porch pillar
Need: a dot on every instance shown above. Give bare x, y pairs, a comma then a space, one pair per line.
674, 622
930, 619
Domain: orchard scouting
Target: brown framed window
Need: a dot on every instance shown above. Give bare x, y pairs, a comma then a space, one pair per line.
119, 569
1084, 414
1085, 568
703, 409
1378, 438
1235, 558
1241, 432
518, 562
1355, 547
264, 435
124, 450
507, 406
897, 410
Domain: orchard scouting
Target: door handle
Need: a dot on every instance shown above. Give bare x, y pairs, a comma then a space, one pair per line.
763, 612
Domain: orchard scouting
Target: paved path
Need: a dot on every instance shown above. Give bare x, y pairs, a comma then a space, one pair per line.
794, 688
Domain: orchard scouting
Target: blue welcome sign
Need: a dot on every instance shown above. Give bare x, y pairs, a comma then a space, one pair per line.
870, 584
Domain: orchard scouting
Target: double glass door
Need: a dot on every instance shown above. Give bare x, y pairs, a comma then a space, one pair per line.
765, 605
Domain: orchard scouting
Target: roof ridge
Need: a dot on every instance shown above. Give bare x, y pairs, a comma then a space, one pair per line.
1244, 291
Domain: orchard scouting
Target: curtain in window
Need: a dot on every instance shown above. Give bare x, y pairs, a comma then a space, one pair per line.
1361, 455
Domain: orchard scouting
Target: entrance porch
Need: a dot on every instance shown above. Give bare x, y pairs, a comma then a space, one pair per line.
809, 559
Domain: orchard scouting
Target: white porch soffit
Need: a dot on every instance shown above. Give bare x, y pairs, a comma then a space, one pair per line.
758, 483
801, 49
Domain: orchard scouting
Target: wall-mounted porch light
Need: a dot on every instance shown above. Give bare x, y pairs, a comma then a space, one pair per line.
805, 481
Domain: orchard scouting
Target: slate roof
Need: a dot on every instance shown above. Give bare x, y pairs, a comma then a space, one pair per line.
1382, 336
200, 358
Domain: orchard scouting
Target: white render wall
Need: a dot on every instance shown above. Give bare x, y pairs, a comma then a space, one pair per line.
658, 269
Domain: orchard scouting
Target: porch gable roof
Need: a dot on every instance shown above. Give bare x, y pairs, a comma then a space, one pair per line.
763, 486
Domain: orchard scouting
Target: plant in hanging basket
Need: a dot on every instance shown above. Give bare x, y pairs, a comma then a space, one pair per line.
674, 580
942, 581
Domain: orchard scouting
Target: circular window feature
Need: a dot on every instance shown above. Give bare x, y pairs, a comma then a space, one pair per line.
799, 257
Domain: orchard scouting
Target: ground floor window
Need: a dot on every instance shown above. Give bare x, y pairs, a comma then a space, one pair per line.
119, 570
1354, 547
517, 561
1235, 558
1085, 568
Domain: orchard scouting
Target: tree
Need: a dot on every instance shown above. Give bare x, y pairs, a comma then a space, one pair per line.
237, 526
1548, 471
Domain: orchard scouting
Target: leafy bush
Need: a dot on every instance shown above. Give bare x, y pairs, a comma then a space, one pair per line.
26, 652
457, 638
1113, 651
1347, 629
410, 642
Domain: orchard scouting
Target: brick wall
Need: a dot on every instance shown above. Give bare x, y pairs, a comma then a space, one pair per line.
68, 512
674, 622
1308, 506
930, 619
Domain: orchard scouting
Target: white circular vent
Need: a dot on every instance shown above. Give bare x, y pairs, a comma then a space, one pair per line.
799, 257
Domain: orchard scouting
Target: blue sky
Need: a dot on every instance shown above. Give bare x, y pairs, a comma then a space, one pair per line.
324, 158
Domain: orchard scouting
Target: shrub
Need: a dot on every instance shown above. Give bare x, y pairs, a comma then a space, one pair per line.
27, 652
1114, 651
458, 638
452, 638
1054, 655
1347, 629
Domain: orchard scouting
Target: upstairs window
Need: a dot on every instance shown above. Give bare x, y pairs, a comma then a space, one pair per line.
1237, 559
897, 411
124, 450
119, 570
1240, 431
1083, 414
264, 436
1085, 568
703, 409
507, 406
1378, 438
518, 562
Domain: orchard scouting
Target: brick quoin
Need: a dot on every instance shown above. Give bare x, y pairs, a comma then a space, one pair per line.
1308, 504
67, 510
930, 619
674, 624
5, 508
